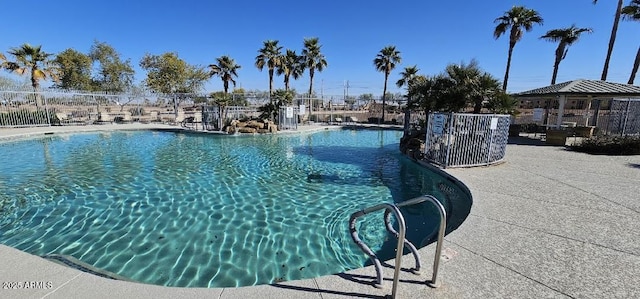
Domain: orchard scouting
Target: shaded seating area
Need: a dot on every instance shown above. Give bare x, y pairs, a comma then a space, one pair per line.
597, 96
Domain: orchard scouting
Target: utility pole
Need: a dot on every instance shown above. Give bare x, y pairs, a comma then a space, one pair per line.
345, 86
344, 90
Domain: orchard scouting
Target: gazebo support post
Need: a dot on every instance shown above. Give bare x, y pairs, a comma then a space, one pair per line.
562, 101
586, 120
596, 113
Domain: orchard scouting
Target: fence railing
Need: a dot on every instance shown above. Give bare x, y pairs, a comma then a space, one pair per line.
463, 140
24, 107
624, 117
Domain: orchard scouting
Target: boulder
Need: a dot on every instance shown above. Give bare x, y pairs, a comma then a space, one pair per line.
272, 128
230, 130
247, 130
255, 124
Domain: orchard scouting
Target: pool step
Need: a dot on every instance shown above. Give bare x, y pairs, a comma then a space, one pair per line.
69, 261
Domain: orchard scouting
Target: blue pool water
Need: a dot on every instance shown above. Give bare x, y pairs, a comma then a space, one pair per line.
194, 210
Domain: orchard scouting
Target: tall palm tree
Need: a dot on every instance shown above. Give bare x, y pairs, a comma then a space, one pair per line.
385, 62
632, 12
33, 61
314, 61
291, 65
407, 76
226, 68
269, 56
516, 19
565, 37
612, 39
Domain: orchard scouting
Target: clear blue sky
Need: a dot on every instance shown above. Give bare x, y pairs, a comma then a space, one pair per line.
429, 34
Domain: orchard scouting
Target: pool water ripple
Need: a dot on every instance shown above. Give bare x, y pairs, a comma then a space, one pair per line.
208, 211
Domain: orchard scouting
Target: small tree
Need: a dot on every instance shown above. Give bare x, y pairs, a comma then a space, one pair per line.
33, 61
75, 70
385, 62
168, 74
226, 68
280, 98
113, 74
502, 103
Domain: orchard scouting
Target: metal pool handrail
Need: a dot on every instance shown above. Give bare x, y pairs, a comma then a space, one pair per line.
412, 248
366, 249
441, 230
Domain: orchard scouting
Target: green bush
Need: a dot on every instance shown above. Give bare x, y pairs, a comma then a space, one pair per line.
609, 145
531, 128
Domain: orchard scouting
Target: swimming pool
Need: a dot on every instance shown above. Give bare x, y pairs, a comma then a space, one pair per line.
191, 210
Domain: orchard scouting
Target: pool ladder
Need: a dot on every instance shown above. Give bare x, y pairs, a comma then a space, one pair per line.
395, 209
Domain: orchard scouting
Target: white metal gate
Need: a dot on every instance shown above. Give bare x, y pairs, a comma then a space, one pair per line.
463, 140
288, 118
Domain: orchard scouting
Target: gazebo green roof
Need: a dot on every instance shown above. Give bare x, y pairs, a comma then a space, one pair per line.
584, 87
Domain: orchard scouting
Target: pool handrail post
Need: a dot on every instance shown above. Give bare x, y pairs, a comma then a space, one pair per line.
443, 224
412, 248
401, 236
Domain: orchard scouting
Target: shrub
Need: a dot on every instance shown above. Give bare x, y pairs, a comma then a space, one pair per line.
530, 128
136, 111
609, 145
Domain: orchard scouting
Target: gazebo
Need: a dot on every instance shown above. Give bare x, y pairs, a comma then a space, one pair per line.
582, 90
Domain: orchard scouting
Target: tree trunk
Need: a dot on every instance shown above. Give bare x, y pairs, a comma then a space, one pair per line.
270, 84
286, 82
612, 40
477, 107
311, 73
635, 68
506, 73
556, 63
384, 92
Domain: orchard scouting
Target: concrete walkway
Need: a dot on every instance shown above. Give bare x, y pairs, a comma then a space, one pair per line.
547, 223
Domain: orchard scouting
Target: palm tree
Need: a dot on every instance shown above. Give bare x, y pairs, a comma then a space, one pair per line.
385, 62
515, 19
291, 65
226, 69
632, 12
313, 60
33, 61
612, 39
565, 37
407, 76
3, 61
269, 56
472, 83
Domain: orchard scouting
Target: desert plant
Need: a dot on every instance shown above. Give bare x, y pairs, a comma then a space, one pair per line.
609, 145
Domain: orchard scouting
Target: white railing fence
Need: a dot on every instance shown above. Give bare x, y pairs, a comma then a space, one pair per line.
464, 140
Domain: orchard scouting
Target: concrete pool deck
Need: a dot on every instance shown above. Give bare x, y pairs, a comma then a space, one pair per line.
547, 223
